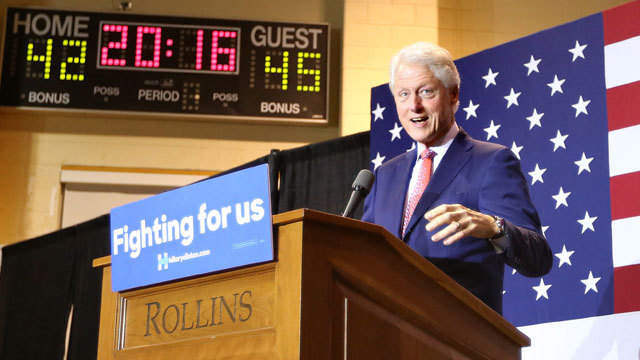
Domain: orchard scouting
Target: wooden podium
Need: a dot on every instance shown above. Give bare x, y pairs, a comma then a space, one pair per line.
339, 289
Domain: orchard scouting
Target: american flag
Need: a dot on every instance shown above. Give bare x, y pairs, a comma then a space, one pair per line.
567, 102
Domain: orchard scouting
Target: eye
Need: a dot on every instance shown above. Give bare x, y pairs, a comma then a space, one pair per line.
402, 94
426, 92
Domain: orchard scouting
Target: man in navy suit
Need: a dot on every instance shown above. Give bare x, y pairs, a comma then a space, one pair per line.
475, 213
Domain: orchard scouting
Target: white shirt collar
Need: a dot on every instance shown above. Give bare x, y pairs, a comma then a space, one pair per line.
440, 150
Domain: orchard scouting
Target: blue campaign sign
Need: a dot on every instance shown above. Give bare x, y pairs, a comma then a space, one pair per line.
212, 225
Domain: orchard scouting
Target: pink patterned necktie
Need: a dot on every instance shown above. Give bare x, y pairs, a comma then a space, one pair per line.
423, 179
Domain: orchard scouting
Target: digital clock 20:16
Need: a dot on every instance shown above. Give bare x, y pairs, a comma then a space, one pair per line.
157, 47
40, 51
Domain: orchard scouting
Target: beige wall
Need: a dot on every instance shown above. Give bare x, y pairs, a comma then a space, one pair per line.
467, 27
35, 145
373, 32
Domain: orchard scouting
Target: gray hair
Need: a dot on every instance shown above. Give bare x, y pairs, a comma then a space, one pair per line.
435, 57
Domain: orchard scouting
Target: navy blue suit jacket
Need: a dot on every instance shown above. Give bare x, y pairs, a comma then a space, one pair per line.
481, 176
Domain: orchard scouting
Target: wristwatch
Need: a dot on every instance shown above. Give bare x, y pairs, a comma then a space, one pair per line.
501, 231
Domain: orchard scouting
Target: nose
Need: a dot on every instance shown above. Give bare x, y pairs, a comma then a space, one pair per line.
416, 104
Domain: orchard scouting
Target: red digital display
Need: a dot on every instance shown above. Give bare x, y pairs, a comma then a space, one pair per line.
168, 47
120, 45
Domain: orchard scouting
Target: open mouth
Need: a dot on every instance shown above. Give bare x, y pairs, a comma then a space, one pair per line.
419, 120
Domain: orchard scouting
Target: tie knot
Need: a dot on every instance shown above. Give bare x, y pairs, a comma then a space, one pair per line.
427, 154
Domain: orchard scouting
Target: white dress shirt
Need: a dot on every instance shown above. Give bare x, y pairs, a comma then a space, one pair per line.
440, 150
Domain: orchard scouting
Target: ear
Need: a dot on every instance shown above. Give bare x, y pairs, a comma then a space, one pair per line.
455, 94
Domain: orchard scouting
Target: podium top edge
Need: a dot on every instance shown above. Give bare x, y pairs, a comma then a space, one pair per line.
102, 261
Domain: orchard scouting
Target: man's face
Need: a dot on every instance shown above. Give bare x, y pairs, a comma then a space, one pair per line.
425, 106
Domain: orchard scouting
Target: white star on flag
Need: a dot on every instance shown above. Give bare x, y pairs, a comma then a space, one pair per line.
561, 198
377, 161
516, 149
490, 78
378, 112
536, 174
583, 163
512, 98
395, 132
556, 85
541, 290
532, 65
577, 51
587, 222
471, 110
564, 256
581, 106
492, 130
544, 230
534, 119
590, 283
558, 141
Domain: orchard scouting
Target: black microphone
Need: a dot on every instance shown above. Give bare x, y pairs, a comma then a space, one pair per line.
361, 186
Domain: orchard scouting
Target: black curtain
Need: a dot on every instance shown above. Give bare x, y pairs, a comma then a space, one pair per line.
42, 278
34, 301
40, 281
273, 160
319, 176
91, 241
316, 176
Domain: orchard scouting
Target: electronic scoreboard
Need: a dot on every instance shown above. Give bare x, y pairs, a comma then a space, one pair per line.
188, 66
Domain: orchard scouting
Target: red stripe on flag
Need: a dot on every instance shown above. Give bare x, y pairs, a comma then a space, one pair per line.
626, 288
621, 22
625, 196
622, 105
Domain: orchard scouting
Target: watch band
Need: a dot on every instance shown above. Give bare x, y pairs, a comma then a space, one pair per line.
501, 231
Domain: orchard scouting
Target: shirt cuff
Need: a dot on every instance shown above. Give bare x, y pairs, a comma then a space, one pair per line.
501, 244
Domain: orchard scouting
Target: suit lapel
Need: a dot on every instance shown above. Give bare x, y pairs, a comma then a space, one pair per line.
454, 160
398, 192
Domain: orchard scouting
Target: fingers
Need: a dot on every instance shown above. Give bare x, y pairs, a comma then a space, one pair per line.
450, 233
455, 218
457, 222
439, 210
444, 214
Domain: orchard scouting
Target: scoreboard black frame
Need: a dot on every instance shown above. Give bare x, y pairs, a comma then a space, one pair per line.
191, 67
